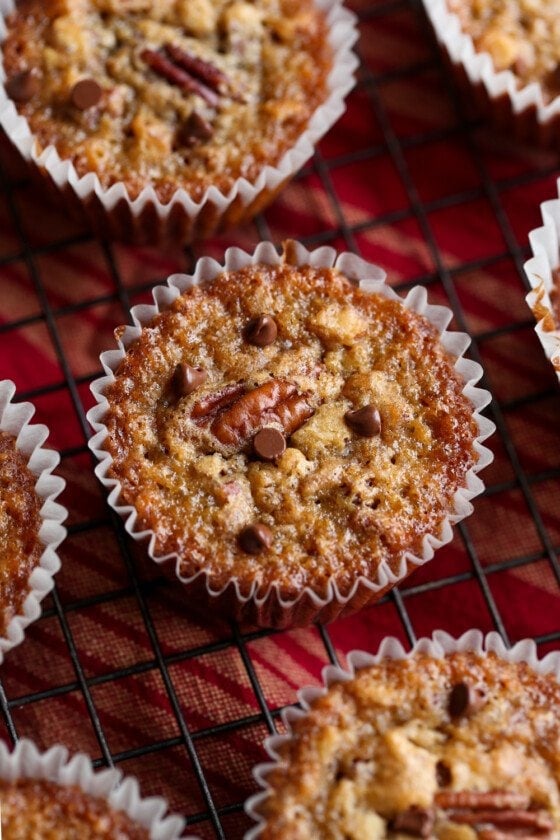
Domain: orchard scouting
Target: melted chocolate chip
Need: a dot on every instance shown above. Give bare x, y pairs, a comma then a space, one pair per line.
269, 444
365, 421
416, 821
464, 699
195, 130
261, 331
23, 86
443, 774
85, 94
255, 538
187, 379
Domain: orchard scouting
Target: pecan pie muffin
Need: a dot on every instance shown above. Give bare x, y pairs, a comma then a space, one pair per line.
555, 296
171, 94
281, 428
521, 35
460, 747
20, 521
36, 808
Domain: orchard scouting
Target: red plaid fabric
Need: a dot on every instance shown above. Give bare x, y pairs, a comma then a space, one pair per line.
119, 666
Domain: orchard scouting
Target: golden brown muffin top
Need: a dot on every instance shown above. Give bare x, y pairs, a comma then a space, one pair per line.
458, 748
521, 35
281, 425
178, 93
33, 809
20, 548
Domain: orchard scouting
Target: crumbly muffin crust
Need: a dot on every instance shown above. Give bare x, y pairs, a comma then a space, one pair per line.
20, 548
33, 809
555, 296
390, 754
521, 35
349, 492
255, 73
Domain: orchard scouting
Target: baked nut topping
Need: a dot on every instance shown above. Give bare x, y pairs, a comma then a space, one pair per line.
39, 809
172, 94
345, 431
380, 756
521, 35
20, 547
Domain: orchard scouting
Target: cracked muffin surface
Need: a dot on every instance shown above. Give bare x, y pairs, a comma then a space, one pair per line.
174, 94
281, 425
33, 809
457, 748
20, 547
521, 35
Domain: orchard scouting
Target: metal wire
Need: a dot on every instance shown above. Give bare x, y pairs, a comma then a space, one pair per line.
212, 817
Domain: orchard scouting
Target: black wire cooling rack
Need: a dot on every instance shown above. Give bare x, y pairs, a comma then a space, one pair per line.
411, 179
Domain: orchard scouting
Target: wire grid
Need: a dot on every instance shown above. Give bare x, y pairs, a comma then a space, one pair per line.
412, 179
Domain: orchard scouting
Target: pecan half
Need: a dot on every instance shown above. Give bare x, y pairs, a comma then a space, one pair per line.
483, 800
274, 401
538, 821
177, 76
203, 70
212, 403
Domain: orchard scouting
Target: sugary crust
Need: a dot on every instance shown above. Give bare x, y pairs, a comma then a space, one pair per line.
338, 504
521, 35
273, 55
33, 809
20, 548
370, 749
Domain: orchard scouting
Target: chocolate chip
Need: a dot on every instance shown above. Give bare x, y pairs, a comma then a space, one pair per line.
416, 821
464, 699
195, 130
85, 94
23, 86
443, 774
261, 331
269, 444
187, 379
365, 421
255, 538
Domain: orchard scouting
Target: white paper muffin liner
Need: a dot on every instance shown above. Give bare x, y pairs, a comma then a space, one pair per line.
55, 765
271, 608
523, 110
14, 419
545, 245
146, 219
438, 646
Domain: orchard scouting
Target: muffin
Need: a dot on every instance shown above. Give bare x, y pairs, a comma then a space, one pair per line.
30, 521
508, 53
47, 796
281, 429
457, 747
543, 274
175, 97
521, 35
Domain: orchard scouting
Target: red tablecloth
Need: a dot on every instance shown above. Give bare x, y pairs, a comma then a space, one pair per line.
411, 179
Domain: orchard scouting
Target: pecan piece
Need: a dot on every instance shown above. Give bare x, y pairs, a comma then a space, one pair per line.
237, 423
177, 76
484, 800
212, 403
537, 821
